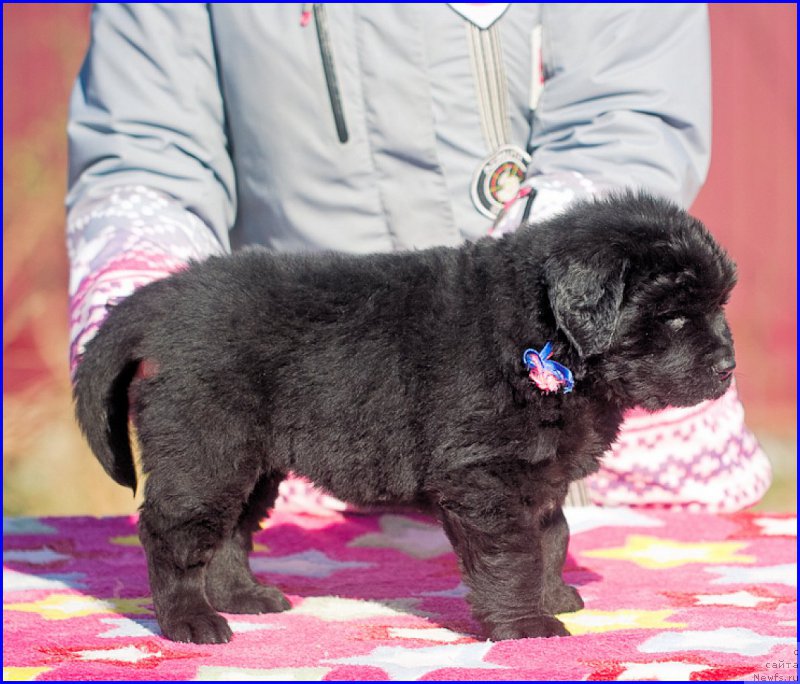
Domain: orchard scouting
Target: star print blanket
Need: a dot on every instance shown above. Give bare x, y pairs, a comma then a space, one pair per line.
668, 595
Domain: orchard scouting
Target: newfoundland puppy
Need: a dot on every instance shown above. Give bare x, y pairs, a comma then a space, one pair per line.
476, 382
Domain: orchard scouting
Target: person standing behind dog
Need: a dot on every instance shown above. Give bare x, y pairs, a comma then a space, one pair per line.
200, 129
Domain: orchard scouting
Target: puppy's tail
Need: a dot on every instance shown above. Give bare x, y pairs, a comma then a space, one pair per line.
104, 374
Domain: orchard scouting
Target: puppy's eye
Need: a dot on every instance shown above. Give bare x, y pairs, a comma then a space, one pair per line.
676, 323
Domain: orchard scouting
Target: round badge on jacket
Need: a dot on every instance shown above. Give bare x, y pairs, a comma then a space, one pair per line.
498, 178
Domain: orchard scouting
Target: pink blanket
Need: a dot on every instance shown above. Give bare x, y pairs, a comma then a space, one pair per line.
668, 595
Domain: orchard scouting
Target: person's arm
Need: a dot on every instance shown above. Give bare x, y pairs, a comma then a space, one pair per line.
151, 183
626, 102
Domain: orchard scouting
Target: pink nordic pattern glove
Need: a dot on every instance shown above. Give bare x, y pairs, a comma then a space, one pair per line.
130, 237
700, 458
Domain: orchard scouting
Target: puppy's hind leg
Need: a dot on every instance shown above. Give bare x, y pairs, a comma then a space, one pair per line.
180, 530
559, 597
230, 585
194, 496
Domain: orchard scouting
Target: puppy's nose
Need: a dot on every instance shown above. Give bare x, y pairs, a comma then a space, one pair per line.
724, 368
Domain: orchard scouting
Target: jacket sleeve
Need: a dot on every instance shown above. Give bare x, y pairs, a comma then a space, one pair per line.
147, 110
151, 183
626, 98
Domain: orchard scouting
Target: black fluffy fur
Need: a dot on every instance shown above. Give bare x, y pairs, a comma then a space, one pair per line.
398, 378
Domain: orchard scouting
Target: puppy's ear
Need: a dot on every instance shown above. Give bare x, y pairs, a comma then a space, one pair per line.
586, 296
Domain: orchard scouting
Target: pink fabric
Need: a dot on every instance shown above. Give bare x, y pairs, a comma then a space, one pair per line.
553, 193
669, 595
703, 457
121, 241
113, 282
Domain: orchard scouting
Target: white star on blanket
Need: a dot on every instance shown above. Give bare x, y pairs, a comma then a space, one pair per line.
337, 609
402, 663
22, 581
26, 526
34, 556
459, 591
418, 539
586, 518
310, 563
147, 627
213, 673
741, 599
124, 654
723, 640
765, 574
671, 671
778, 526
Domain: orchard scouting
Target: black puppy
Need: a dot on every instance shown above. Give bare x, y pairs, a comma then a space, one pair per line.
401, 378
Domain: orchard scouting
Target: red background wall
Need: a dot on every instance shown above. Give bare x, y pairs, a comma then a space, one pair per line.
749, 202
750, 198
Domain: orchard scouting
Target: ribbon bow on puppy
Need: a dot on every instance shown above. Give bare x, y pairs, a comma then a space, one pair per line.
547, 375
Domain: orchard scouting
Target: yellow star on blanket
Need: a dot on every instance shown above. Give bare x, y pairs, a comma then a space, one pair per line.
594, 621
23, 674
655, 553
65, 606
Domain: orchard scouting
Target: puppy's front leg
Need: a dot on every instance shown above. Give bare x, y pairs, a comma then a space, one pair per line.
498, 541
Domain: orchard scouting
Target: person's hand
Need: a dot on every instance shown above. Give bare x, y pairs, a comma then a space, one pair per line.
97, 293
126, 238
541, 197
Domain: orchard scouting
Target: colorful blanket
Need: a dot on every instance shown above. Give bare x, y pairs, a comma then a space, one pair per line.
668, 595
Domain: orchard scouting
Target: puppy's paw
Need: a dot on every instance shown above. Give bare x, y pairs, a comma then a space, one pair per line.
537, 626
251, 600
563, 599
198, 628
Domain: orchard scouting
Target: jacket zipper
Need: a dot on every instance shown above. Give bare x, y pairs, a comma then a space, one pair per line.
321, 23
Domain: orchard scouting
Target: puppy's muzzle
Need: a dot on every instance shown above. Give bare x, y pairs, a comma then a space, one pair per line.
724, 368
723, 363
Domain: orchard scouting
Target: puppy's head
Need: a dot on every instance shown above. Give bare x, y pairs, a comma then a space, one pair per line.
638, 287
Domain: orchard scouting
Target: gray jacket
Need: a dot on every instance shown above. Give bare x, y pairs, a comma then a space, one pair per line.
225, 108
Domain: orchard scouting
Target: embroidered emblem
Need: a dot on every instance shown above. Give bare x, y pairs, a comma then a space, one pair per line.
498, 179
547, 375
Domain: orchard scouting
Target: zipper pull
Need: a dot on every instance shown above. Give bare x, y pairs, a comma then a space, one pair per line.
305, 14
321, 21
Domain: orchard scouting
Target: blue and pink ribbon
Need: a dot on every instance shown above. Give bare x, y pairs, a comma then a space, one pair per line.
546, 374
